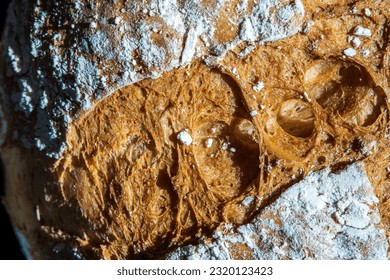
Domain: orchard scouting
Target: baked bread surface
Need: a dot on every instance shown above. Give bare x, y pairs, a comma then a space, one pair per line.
135, 136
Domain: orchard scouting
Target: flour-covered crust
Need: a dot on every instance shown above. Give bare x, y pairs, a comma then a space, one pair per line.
197, 129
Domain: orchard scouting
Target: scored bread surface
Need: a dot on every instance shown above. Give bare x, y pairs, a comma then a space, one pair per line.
198, 120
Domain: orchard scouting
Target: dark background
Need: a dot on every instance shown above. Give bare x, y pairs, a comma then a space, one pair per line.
10, 249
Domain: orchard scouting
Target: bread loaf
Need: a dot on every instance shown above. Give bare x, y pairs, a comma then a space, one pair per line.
197, 129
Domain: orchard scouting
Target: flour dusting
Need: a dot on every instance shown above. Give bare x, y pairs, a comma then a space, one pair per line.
87, 50
325, 216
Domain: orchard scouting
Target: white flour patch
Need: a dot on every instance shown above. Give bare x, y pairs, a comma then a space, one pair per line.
350, 52
15, 60
325, 216
89, 53
209, 142
185, 138
362, 31
258, 87
247, 201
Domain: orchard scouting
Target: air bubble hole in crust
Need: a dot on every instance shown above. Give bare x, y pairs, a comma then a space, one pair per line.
296, 118
321, 160
269, 128
244, 132
345, 89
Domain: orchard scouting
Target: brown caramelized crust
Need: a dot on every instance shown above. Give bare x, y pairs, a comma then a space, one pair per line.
260, 120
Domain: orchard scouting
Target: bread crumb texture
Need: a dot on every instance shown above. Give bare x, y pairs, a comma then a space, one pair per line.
197, 129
